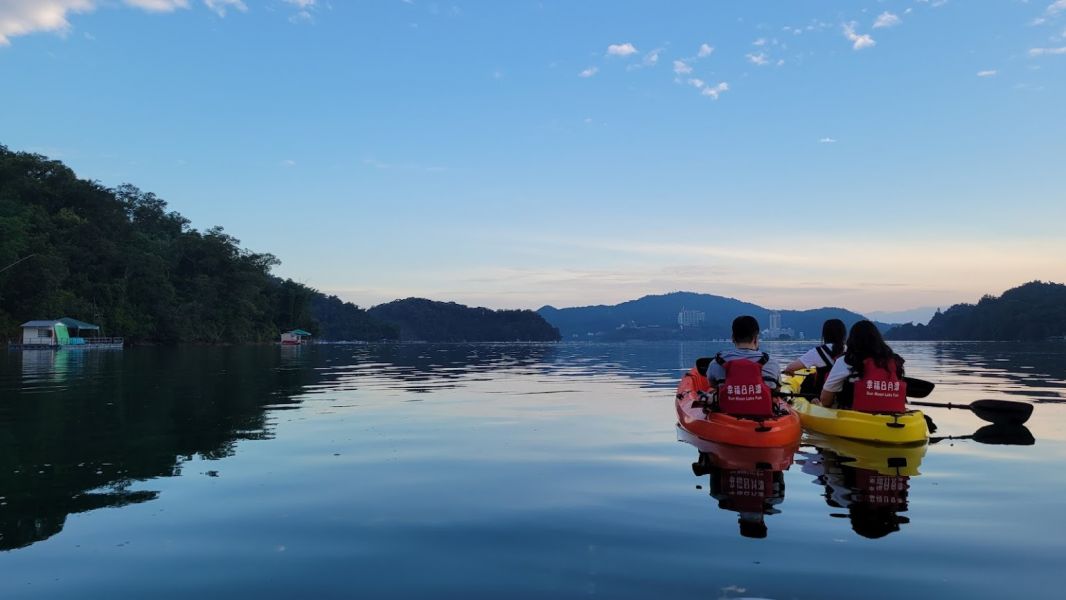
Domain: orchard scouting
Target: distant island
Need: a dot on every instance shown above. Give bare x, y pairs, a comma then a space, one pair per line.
687, 315
1034, 311
427, 320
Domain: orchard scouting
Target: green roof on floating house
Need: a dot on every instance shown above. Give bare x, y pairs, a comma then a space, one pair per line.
80, 325
300, 332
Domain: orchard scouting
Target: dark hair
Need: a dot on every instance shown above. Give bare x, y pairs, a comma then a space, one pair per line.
745, 329
864, 342
833, 333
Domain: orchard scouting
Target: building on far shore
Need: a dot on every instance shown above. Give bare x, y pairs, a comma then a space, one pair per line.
296, 337
691, 318
65, 333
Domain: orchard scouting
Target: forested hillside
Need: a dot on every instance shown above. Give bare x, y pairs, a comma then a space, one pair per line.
120, 258
1034, 311
427, 320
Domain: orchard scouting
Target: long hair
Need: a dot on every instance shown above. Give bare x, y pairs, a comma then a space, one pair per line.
864, 342
833, 333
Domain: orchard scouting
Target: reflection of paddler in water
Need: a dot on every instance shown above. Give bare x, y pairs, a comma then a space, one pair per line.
749, 481
872, 481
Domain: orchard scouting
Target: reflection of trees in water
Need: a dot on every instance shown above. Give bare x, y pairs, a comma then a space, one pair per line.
133, 416
1031, 369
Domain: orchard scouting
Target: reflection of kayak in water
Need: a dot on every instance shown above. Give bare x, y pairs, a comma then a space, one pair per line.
695, 415
872, 481
746, 480
896, 428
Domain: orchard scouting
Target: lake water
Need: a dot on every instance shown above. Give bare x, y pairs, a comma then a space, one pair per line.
499, 471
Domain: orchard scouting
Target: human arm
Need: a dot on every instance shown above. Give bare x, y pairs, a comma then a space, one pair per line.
834, 383
809, 359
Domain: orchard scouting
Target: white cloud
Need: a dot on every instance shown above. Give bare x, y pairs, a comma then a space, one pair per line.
827, 140
1047, 51
652, 58
715, 90
697, 83
858, 42
288, 163
23, 17
886, 19
589, 72
681, 67
759, 42
155, 5
987, 73
758, 59
304, 10
220, 6
625, 49
705, 50
1056, 7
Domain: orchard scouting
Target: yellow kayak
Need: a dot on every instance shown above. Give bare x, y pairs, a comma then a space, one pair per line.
902, 428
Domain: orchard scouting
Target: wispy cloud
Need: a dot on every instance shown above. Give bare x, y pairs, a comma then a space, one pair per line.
987, 73
1047, 51
589, 72
288, 163
705, 50
886, 19
219, 7
827, 140
1056, 7
858, 41
758, 59
625, 49
304, 10
681, 67
713, 91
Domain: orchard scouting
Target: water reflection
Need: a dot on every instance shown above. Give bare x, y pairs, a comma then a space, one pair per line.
871, 481
748, 481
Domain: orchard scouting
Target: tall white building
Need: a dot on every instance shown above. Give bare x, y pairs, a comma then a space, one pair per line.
691, 318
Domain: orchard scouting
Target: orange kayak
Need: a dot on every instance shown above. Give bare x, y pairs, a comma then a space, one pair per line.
693, 417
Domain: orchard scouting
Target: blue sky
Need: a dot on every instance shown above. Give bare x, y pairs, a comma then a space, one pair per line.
876, 155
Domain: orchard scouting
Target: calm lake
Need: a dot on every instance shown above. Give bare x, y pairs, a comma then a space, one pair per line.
412, 471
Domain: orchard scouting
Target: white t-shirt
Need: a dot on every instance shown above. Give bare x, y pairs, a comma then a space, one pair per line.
838, 376
812, 359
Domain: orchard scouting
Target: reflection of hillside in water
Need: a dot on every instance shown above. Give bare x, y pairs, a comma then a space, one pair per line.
77, 437
1034, 370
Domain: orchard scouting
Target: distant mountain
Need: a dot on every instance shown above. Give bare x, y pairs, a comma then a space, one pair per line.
655, 317
1034, 311
896, 317
426, 320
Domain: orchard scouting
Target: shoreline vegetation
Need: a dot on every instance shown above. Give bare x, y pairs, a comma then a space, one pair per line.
120, 258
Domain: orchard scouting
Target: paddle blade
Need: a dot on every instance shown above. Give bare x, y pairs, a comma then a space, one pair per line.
1004, 435
1002, 412
918, 388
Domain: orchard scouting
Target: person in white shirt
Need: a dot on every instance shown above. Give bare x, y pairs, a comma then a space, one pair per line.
821, 358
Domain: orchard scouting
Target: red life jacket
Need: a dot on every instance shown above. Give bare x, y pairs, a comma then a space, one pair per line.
879, 390
744, 393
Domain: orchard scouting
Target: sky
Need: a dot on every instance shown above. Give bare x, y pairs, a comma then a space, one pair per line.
876, 155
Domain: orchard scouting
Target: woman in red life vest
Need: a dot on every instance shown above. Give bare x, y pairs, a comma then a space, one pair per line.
869, 378
821, 358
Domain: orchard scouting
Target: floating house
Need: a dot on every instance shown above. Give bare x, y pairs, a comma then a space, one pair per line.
296, 337
65, 333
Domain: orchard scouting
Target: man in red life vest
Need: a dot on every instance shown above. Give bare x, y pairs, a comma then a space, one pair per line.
745, 376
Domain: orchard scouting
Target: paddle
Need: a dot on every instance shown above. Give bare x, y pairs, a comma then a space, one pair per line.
1000, 412
996, 435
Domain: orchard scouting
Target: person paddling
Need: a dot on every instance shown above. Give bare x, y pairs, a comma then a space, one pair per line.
821, 358
869, 378
744, 375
